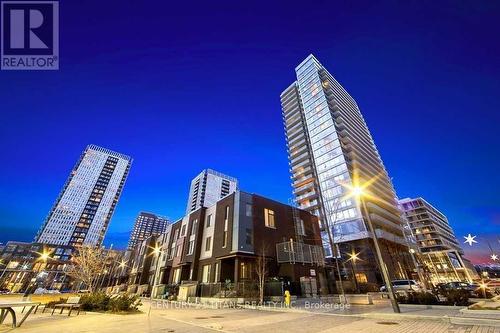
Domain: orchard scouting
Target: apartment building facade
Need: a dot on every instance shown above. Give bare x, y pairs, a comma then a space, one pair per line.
146, 225
439, 249
209, 187
83, 210
22, 262
331, 151
222, 243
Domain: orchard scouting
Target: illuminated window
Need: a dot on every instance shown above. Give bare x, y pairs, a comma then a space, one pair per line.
269, 218
205, 274
361, 278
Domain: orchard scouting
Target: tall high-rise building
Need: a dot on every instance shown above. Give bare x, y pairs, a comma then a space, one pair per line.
440, 250
82, 212
146, 225
331, 150
209, 187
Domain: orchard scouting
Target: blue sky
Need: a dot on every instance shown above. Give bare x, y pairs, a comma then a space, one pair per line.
186, 86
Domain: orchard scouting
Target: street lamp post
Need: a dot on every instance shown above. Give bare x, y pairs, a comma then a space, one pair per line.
156, 253
358, 192
122, 265
353, 258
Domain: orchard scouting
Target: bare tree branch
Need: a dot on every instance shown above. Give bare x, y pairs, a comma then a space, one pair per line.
87, 263
261, 270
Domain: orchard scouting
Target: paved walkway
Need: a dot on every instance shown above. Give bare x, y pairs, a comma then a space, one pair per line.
171, 319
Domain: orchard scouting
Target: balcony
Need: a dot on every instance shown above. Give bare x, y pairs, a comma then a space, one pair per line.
303, 188
299, 173
308, 195
295, 252
310, 205
302, 181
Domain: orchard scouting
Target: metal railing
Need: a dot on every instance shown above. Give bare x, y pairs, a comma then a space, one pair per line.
296, 252
245, 289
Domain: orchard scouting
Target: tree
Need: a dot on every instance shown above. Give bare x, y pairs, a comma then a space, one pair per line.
87, 263
329, 221
261, 270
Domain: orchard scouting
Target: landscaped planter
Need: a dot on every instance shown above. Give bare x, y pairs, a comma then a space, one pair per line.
221, 301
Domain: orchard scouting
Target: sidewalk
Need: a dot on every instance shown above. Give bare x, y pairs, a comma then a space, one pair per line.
381, 309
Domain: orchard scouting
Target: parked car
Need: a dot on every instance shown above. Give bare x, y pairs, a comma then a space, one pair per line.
403, 286
4, 291
444, 288
454, 286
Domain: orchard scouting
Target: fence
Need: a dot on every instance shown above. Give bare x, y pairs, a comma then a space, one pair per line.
241, 289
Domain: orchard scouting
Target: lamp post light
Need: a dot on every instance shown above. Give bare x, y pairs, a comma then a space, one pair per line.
156, 252
122, 265
43, 257
353, 257
358, 192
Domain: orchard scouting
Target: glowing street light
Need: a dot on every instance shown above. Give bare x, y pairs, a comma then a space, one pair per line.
44, 256
357, 191
156, 250
353, 256
483, 285
123, 264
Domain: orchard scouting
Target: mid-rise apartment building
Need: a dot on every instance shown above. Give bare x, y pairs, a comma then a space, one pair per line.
440, 251
21, 262
83, 210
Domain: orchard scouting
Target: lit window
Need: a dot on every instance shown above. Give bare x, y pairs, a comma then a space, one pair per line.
269, 218
205, 274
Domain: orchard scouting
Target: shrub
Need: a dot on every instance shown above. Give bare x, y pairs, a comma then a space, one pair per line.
52, 303
368, 287
100, 302
457, 297
427, 298
97, 301
417, 298
124, 303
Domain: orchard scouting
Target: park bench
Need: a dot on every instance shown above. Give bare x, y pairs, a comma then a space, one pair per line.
71, 303
8, 307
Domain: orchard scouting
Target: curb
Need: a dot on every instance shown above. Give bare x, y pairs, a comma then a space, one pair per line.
475, 321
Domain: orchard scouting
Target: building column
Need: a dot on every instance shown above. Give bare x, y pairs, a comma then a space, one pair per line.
236, 269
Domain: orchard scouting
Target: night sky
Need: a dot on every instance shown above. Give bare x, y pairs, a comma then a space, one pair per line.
183, 86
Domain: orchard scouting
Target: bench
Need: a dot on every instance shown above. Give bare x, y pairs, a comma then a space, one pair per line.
71, 303
6, 308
